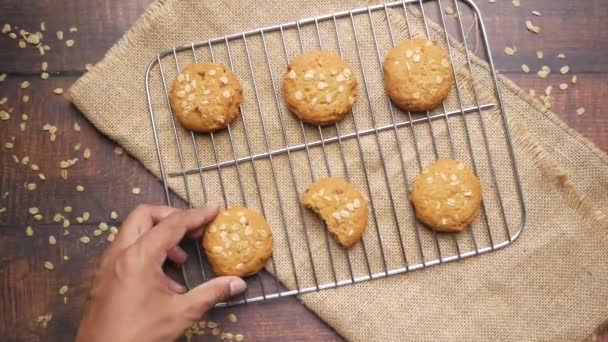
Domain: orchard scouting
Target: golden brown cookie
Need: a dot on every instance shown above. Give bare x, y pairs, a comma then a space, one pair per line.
206, 97
446, 196
341, 206
238, 242
319, 87
417, 75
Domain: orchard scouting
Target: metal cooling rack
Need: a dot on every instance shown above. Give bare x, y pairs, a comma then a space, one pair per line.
418, 247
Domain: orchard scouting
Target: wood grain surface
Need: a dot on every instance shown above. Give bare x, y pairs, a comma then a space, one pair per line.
27, 290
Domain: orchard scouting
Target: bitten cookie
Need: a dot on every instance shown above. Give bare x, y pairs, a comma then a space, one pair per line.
417, 75
238, 242
206, 97
319, 88
446, 196
341, 206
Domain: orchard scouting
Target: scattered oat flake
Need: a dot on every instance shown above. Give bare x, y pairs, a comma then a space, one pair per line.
525, 68
73, 29
58, 217
59, 35
537, 13
561, 56
97, 232
118, 150
6, 28
49, 265
531, 27
2, 77
29, 231
113, 215
87, 153
540, 54
565, 69
548, 90
52, 240
2, 210
25, 84
43, 320
136, 191
544, 71
111, 237
239, 337
563, 86
510, 50
113, 230
85, 239
31, 186
33, 210
69, 42
79, 188
3, 100
63, 290
580, 111
449, 10
232, 318
574, 78
58, 91
44, 75
515, 3
25, 98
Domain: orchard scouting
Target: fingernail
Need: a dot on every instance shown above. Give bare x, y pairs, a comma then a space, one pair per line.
181, 254
180, 289
237, 286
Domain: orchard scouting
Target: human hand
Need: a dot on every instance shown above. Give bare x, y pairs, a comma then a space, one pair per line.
131, 298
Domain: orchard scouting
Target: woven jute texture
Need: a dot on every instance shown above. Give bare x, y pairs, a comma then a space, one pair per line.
550, 284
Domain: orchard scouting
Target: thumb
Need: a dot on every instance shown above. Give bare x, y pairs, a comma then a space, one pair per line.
206, 295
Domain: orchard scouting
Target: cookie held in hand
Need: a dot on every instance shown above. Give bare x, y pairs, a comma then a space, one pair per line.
238, 242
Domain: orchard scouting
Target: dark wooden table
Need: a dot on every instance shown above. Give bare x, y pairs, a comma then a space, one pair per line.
578, 29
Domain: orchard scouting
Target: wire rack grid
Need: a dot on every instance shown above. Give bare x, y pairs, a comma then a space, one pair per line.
268, 159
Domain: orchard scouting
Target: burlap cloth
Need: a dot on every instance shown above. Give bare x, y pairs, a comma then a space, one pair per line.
551, 284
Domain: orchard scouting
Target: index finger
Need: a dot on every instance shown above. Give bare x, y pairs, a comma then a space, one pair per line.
169, 232
139, 221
